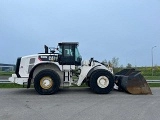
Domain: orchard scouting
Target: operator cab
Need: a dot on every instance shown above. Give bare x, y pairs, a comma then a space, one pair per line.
69, 54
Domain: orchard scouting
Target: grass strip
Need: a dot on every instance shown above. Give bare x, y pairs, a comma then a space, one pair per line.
10, 85
154, 84
152, 77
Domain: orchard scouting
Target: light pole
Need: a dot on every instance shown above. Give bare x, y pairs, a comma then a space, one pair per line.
152, 58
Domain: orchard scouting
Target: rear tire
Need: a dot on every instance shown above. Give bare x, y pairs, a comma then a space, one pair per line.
47, 82
101, 81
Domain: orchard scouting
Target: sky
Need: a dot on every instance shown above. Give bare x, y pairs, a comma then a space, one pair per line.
125, 29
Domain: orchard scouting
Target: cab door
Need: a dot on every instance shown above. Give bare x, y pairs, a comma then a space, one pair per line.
68, 55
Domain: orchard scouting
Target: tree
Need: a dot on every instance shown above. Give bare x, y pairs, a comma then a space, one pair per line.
129, 65
115, 62
121, 67
109, 63
105, 62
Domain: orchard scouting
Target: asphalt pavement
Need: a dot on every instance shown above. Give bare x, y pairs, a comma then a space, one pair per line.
78, 104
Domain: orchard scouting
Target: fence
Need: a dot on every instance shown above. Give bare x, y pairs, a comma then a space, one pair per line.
5, 81
153, 81
6, 68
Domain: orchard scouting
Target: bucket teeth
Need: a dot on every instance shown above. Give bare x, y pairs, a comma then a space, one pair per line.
132, 81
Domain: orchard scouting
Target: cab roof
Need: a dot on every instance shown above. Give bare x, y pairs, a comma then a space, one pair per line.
68, 43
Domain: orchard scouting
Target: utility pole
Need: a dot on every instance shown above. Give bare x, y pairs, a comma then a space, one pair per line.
152, 59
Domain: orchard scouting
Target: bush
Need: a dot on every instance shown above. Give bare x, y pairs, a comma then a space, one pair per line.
147, 71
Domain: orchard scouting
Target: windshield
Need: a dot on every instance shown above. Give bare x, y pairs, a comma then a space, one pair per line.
77, 55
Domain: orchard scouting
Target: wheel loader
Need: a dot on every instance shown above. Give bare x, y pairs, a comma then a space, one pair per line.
63, 67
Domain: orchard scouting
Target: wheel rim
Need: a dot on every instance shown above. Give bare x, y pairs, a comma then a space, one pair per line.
102, 81
46, 82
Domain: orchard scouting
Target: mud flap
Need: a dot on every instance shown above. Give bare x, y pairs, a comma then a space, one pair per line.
132, 81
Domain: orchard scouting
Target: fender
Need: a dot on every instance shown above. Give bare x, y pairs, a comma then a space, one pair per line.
90, 72
85, 71
37, 65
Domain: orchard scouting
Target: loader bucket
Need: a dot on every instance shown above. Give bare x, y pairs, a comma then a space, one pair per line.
132, 81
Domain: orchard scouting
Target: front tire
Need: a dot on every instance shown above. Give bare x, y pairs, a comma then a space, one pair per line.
101, 81
47, 82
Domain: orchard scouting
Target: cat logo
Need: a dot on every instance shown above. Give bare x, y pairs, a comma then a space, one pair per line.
51, 58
